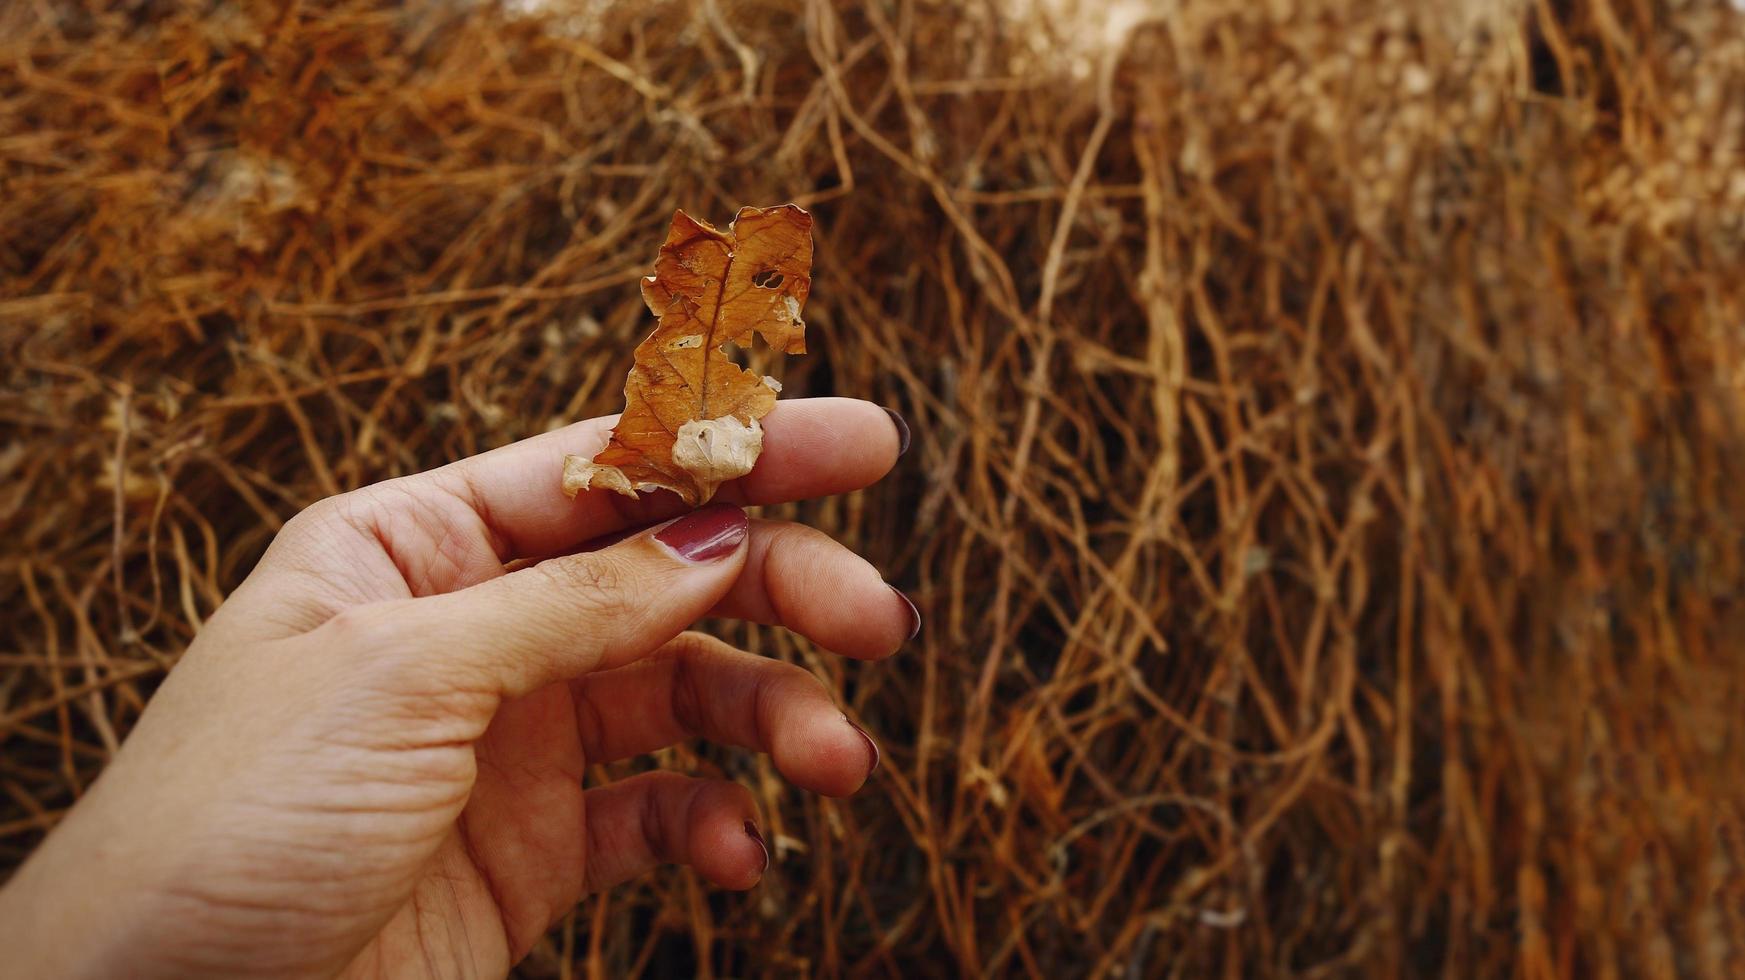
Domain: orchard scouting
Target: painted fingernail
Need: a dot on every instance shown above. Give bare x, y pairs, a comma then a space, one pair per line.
705, 535
751, 832
902, 430
872, 747
914, 614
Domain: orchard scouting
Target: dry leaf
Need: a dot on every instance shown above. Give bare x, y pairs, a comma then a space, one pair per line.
690, 414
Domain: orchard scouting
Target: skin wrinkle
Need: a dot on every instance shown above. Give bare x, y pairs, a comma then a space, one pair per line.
446, 540
762, 699
463, 830
590, 724
419, 929
654, 831
767, 612
593, 579
503, 544
636, 830
685, 701
184, 889
415, 764
419, 576
688, 819
191, 892
433, 524
437, 704
308, 616
302, 539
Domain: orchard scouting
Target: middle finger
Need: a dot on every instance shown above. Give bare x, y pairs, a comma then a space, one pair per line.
699, 687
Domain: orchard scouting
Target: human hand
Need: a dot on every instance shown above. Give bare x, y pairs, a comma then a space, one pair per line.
371, 758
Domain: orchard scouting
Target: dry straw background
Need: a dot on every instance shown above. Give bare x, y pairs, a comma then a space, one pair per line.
1328, 499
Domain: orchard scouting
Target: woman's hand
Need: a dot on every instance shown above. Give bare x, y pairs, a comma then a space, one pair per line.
371, 758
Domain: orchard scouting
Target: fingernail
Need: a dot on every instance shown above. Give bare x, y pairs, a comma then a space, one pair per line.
751, 832
902, 430
914, 614
872, 747
705, 535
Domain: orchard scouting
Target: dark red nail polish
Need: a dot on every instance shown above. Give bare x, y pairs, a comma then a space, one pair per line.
705, 535
872, 747
914, 613
751, 832
902, 430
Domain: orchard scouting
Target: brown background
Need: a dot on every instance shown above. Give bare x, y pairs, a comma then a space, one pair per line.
1326, 499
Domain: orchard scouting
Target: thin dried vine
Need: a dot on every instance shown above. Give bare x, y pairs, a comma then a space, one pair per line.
1328, 494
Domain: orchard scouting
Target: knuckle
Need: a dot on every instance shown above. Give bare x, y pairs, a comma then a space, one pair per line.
361, 628
327, 517
385, 679
593, 579
592, 727
313, 519
693, 645
786, 679
659, 789
686, 704
791, 687
745, 801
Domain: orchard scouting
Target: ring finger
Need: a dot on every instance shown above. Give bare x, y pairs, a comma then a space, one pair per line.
699, 687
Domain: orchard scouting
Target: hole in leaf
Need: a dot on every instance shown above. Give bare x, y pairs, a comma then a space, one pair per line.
768, 279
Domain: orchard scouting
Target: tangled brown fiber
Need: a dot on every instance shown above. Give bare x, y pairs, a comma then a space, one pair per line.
1328, 497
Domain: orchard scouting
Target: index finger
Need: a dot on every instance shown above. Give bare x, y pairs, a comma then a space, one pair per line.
813, 447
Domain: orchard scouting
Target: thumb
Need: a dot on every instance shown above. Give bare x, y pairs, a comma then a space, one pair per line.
567, 616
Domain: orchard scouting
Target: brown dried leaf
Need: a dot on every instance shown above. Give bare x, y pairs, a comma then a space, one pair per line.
690, 413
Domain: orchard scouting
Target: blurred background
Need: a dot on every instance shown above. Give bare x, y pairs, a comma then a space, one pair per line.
1328, 495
